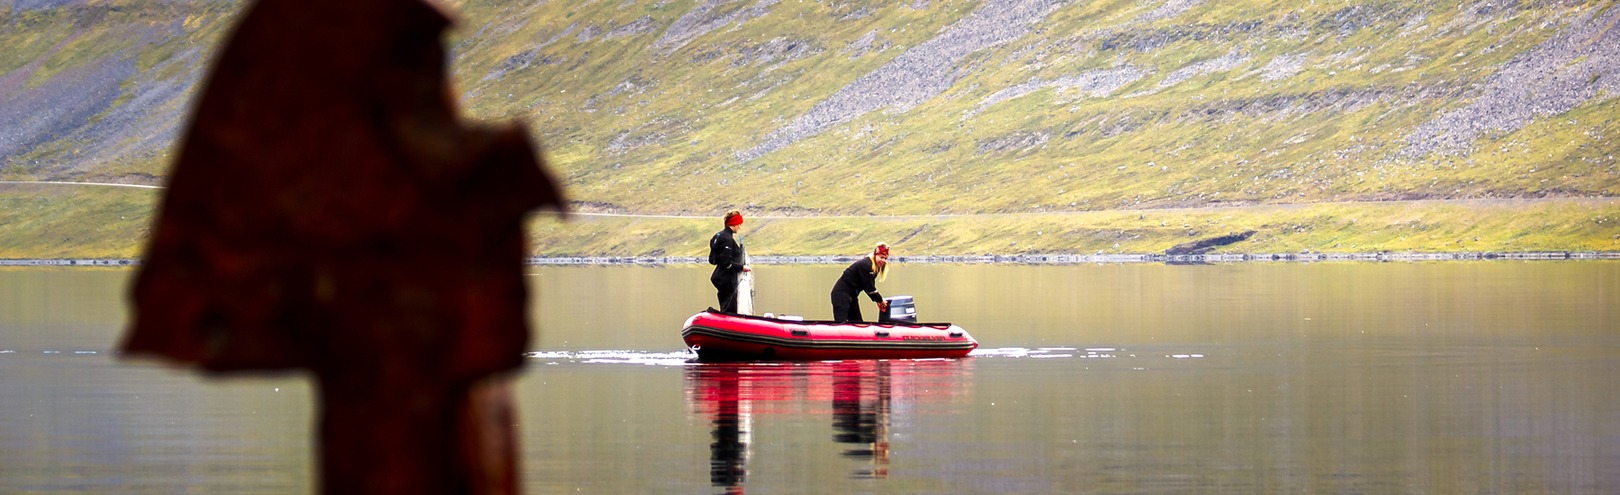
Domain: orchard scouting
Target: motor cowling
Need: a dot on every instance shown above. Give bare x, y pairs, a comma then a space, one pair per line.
902, 309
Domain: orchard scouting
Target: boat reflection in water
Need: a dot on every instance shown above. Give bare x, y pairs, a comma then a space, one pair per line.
862, 395
861, 422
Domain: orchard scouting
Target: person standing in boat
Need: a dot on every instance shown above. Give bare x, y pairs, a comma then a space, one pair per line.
861, 276
729, 260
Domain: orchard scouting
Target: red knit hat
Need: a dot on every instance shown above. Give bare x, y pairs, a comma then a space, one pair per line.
734, 220
882, 249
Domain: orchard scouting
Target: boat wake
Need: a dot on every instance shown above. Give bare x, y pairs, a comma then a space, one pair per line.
51, 352
649, 358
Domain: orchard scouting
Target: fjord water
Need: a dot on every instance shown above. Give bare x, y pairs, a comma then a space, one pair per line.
1453, 377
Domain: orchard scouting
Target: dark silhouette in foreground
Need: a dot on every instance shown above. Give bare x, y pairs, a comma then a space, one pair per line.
330, 212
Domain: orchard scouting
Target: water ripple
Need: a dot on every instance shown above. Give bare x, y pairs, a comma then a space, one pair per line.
687, 358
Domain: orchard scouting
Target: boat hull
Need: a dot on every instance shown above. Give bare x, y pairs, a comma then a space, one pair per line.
723, 337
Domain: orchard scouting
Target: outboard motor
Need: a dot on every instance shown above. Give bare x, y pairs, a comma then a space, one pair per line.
901, 310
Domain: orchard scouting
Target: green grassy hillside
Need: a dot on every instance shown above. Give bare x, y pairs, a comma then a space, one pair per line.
1049, 127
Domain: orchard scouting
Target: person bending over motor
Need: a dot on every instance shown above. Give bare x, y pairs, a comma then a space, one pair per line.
861, 276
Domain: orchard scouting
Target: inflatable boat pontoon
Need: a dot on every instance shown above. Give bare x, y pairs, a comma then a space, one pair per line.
726, 336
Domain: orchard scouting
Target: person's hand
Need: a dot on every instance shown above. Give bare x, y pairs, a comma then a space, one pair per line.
883, 306
748, 268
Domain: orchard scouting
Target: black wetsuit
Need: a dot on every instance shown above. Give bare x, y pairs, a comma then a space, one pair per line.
856, 279
728, 257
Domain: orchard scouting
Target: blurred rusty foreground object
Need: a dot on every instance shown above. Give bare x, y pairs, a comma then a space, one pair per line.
330, 212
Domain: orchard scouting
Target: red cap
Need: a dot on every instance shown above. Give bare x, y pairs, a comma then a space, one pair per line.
734, 220
882, 249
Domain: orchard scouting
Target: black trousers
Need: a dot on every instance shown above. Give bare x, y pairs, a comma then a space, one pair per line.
846, 308
725, 289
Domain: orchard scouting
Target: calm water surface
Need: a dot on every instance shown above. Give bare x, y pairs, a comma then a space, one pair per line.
1483, 377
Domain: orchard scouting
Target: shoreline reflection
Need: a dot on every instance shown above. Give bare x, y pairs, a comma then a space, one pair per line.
859, 397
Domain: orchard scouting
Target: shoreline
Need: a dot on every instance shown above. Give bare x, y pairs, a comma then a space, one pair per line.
986, 259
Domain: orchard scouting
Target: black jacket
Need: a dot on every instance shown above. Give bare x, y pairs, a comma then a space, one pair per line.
725, 253
858, 278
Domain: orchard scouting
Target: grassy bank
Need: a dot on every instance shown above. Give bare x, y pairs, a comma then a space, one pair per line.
1503, 226
55, 221
64, 221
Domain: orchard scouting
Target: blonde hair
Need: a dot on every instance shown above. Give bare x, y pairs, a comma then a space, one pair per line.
882, 273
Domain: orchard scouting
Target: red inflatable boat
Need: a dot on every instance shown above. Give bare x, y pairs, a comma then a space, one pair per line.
726, 336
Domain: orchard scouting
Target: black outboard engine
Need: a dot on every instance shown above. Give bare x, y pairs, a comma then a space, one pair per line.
901, 310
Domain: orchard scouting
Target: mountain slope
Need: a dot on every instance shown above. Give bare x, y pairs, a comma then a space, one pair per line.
1010, 105
926, 107
99, 89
